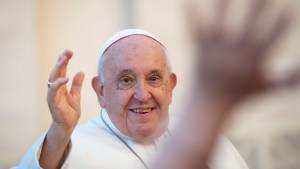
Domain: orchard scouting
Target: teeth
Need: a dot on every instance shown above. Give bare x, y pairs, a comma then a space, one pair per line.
141, 110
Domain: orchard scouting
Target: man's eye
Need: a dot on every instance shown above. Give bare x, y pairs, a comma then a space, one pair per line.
155, 80
126, 80
125, 83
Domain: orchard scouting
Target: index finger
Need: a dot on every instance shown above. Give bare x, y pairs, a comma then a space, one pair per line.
60, 69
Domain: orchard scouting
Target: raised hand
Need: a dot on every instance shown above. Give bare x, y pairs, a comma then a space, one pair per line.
64, 105
230, 61
228, 69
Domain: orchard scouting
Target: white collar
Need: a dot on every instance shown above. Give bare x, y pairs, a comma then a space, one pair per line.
106, 118
112, 126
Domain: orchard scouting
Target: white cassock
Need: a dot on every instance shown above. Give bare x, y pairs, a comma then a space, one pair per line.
95, 146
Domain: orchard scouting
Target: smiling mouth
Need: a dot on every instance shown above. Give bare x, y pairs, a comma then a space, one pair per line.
141, 110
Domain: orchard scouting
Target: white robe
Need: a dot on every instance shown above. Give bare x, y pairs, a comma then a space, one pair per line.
94, 146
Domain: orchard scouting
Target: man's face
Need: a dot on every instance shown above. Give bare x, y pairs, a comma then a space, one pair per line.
138, 87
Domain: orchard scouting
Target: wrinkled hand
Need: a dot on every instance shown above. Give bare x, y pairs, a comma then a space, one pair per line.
230, 61
64, 105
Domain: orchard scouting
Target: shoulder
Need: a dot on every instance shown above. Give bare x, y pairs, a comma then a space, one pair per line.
91, 138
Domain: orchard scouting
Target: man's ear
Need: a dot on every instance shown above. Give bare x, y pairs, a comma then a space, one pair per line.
98, 88
173, 82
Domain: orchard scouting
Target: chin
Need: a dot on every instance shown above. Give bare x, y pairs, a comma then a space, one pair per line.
148, 134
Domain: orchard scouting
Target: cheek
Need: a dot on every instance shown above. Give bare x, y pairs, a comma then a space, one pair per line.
166, 90
118, 100
162, 96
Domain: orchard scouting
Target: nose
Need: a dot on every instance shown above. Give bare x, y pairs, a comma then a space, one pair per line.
142, 92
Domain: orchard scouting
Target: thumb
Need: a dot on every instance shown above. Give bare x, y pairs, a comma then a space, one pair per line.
77, 84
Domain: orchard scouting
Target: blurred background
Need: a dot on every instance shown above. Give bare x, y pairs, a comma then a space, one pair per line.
265, 128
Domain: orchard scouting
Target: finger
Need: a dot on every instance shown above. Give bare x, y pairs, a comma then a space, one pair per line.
280, 27
191, 20
222, 7
256, 9
60, 68
77, 84
53, 89
198, 23
66, 56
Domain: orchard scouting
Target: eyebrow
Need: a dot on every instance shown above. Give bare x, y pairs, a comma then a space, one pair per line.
124, 71
160, 73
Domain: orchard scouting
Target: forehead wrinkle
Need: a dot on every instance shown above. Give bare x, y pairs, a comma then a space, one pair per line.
125, 71
130, 71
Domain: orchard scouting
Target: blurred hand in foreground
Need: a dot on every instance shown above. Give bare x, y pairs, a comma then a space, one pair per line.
230, 61
229, 68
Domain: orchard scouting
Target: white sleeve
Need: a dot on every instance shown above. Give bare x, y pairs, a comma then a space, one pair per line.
225, 156
31, 159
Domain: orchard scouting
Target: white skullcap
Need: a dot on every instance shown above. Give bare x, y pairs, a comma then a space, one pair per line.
124, 33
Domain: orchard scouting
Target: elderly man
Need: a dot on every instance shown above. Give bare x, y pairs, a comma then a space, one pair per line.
134, 87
